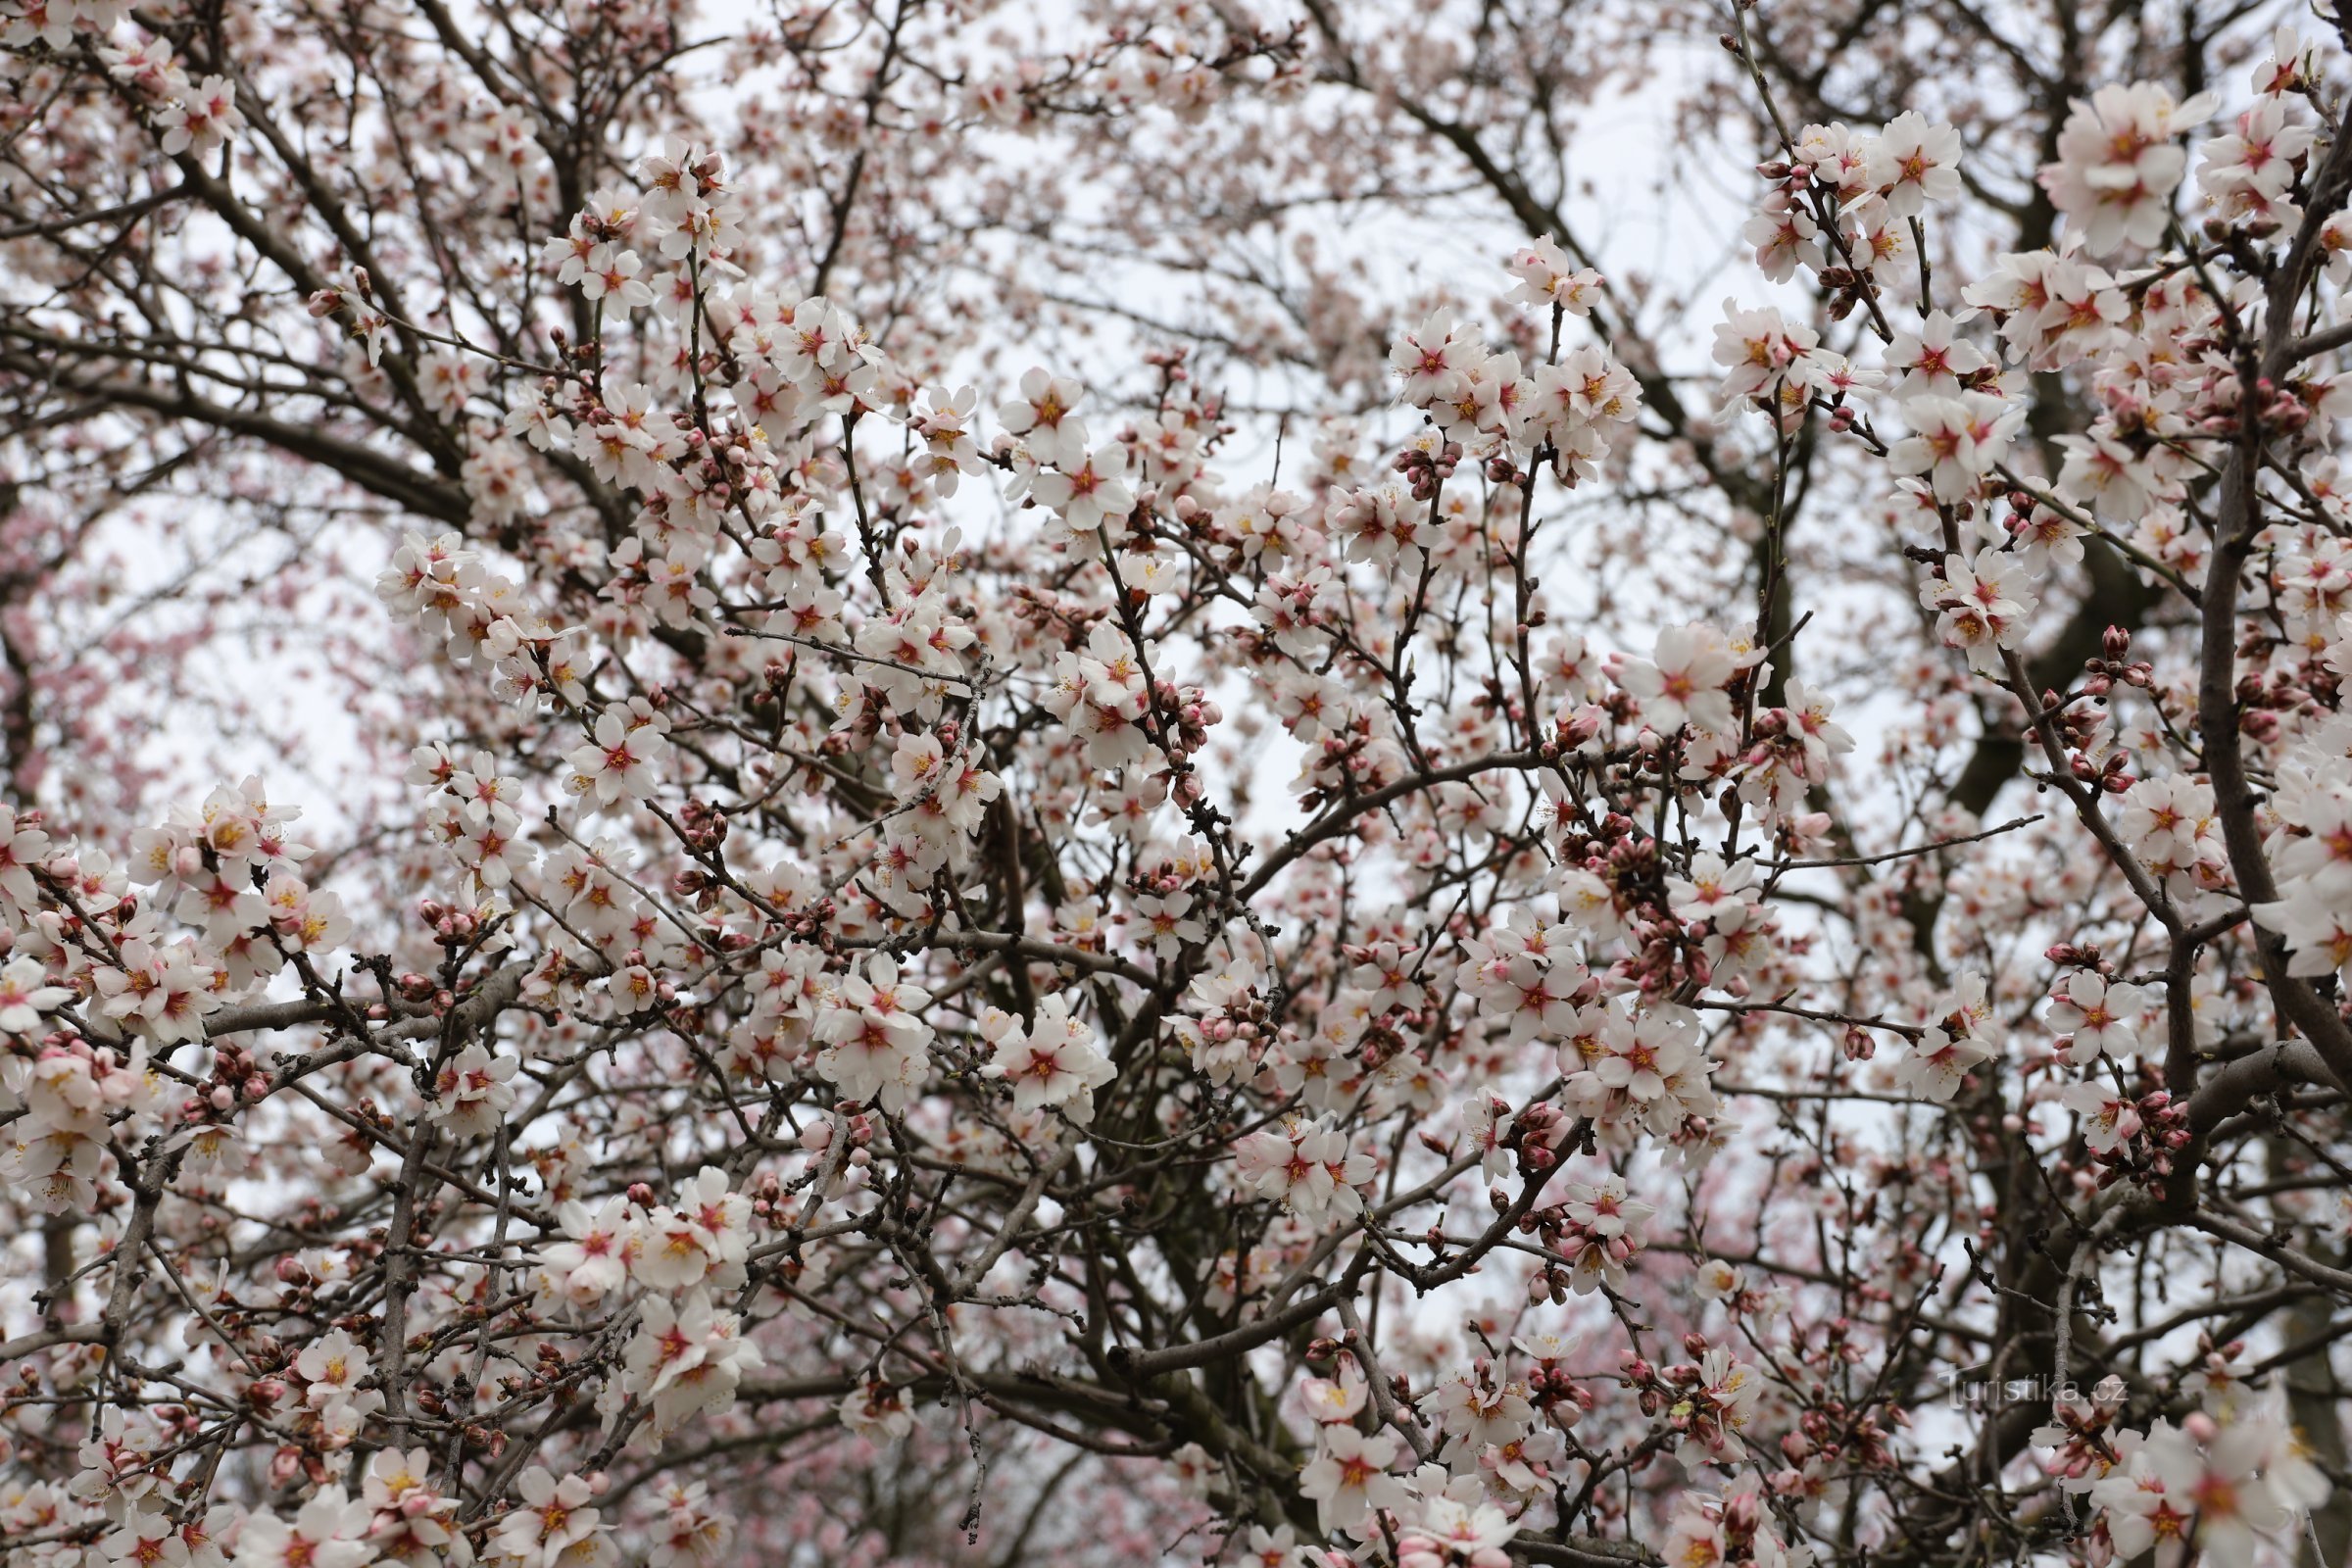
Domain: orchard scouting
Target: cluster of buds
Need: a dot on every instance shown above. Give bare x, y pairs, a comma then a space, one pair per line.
1691, 1396
2145, 1154
451, 927
1344, 763
1667, 955
2029, 520
1571, 731
236, 1079
1793, 179
1541, 1137
858, 1126
1564, 1401
1590, 1235
1226, 1026
2079, 727
2113, 667
1188, 714
2280, 408
1833, 1437
1425, 470
1168, 363
2265, 697
1773, 739
2112, 775
701, 826
1194, 711
1388, 1037
776, 679
2081, 1430
2078, 955
422, 990
1615, 850
1245, 1018
772, 1207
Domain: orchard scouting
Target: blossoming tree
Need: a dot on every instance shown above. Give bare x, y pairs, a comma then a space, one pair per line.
873, 973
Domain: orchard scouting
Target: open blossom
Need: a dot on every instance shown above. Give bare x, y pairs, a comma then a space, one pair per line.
2117, 164
2107, 475
2172, 825
1349, 1478
333, 1366
593, 1258
1166, 920
1421, 911
1735, 1527
877, 1412
720, 1218
689, 1358
473, 1092
1056, 1061
1956, 441
158, 991
23, 845
1042, 418
608, 278
1717, 1406
204, 116
2109, 1120
1307, 1165
1937, 1063
1982, 604
1933, 359
415, 1523
1435, 360
1784, 236
148, 1537
1329, 1399
2318, 929
1759, 351
2251, 167
555, 1524
945, 427
877, 1044
1087, 492
1916, 163
1710, 887
1480, 1408
24, 996
328, 1531
1716, 1280
705, 1235
619, 763
1683, 680
1546, 277
2222, 1489
1444, 1530
2102, 1016
692, 1533
1604, 1232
